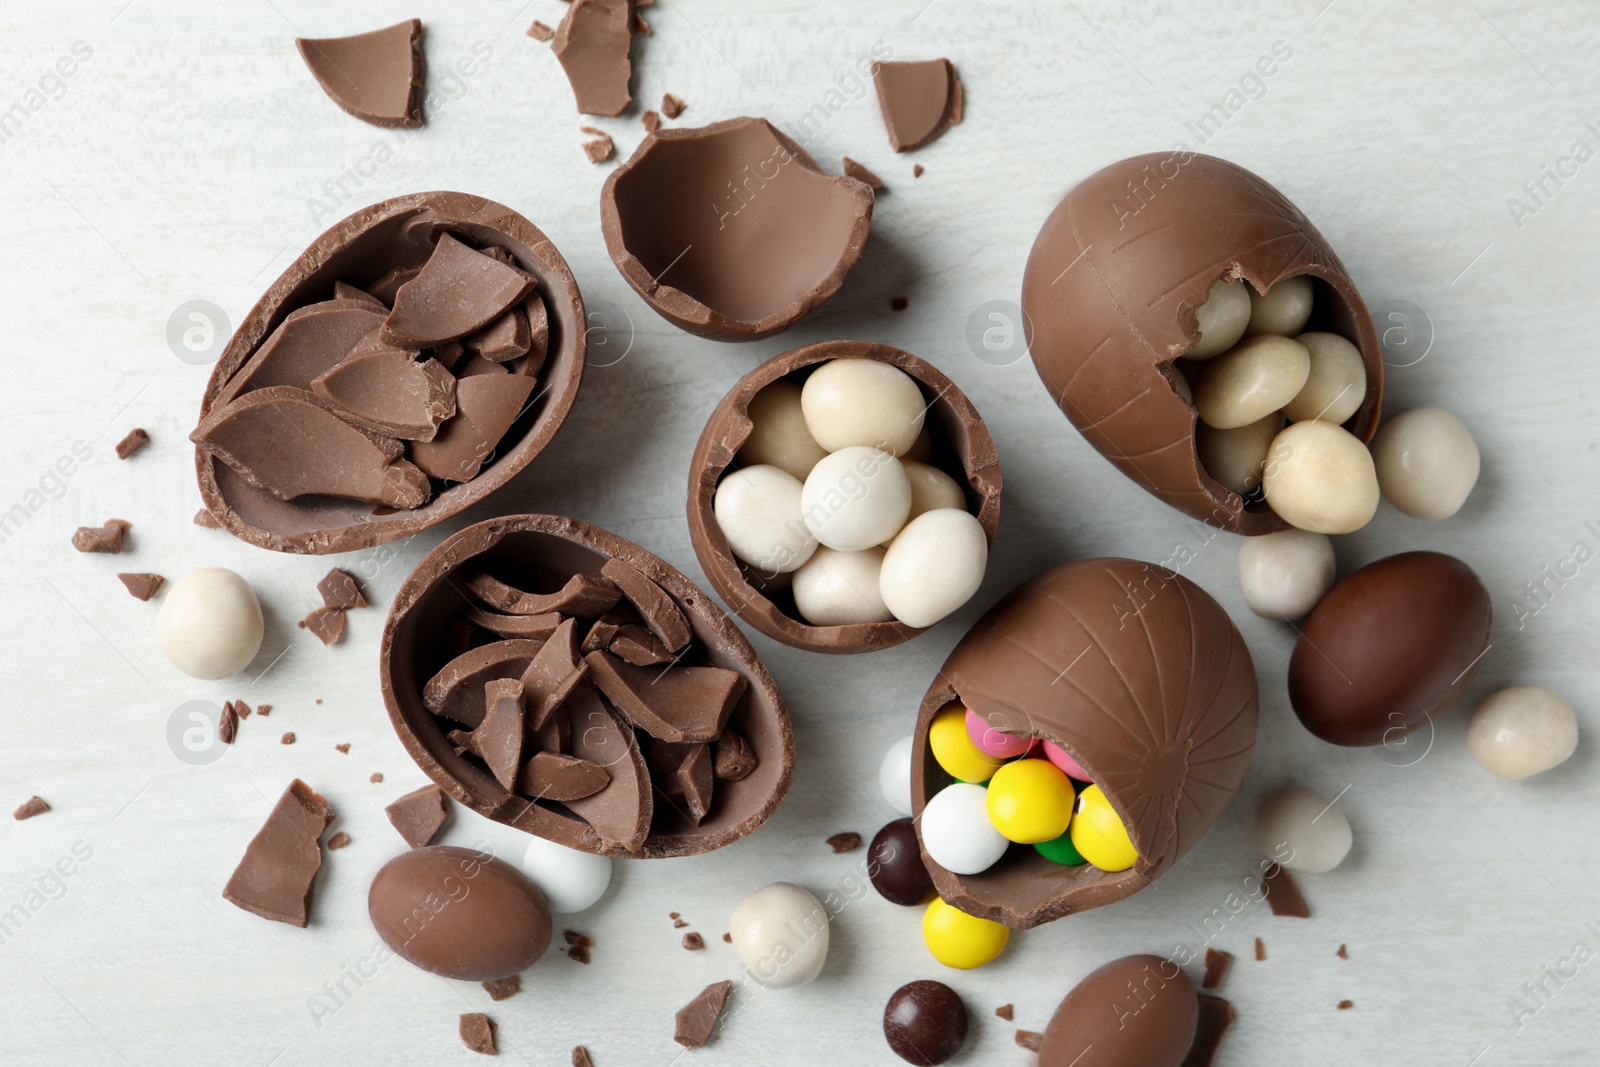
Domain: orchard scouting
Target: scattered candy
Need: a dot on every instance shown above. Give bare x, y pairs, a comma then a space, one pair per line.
953, 748
851, 402
1061, 850
895, 867
957, 831
1302, 830
1284, 574
1099, 834
934, 566
959, 940
854, 498
1251, 380
1338, 381
1320, 477
836, 588
1522, 731
758, 509
572, 881
210, 623
925, 1023
1427, 463
894, 776
781, 935
1030, 801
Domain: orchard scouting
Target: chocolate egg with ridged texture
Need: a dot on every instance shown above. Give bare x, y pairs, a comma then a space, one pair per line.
1138, 1011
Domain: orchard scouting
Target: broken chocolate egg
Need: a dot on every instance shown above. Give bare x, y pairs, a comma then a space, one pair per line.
1110, 296
731, 231
1142, 679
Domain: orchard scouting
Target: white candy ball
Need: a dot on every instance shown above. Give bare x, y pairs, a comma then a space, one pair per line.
1427, 463
1250, 381
931, 488
1284, 574
957, 830
862, 402
1180, 383
1284, 309
934, 566
1338, 381
1222, 319
758, 509
210, 623
1521, 731
841, 588
778, 434
1300, 829
781, 935
894, 776
855, 498
1319, 477
1235, 457
572, 881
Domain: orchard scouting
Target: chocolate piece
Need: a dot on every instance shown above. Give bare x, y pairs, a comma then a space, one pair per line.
1006, 1012
137, 438
387, 286
1343, 952
540, 32
606, 628
503, 339
1143, 679
343, 748
263, 709
677, 704
377, 76
228, 724
477, 1033
894, 866
338, 841
287, 738
732, 758
1261, 951
486, 406
456, 691
573, 937
919, 100
619, 814
1388, 648
1109, 299
552, 776
580, 1057
1283, 896
106, 538
917, 170
497, 740
206, 519
925, 1023
637, 23
664, 618
241, 709
1217, 963
327, 623
530, 626
274, 878
599, 147
385, 390
582, 596
308, 343
672, 106
1031, 1040
972, 461
1216, 1015
651, 121
578, 954
693, 942
899, 303
1091, 1027
139, 585
728, 938
1345, 1005
29, 808
552, 673
775, 244
679, 924
339, 589
683, 775
346, 291
852, 169
459, 291
591, 44
377, 776
698, 1018
848, 841
502, 988
419, 815
640, 647
531, 364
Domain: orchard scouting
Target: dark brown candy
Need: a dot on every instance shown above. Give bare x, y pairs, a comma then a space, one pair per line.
925, 1023
683, 775
339, 589
680, 704
377, 76
552, 776
326, 623
137, 438
477, 1033
497, 740
591, 44
732, 757
106, 538
274, 878
419, 815
486, 406
663, 617
894, 865
698, 1018
1216, 1015
141, 586
1283, 896
619, 814
1138, 1010
311, 341
460, 290
456, 691
582, 596
919, 100
387, 391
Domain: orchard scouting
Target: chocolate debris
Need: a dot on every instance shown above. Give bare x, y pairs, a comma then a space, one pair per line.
228, 724
582, 596
848, 841
919, 100
1283, 896
141, 586
339, 589
311, 341
852, 169
683, 775
502, 988
338, 840
671, 106
1031, 1040
599, 147
477, 1033
732, 757
419, 814
137, 438
681, 704
274, 878
377, 76
698, 1018
287, 739
664, 618
29, 808
497, 740
1006, 1012
106, 538
552, 776
592, 43
456, 691
206, 519
639, 646
327, 623
504, 339
459, 290
1217, 963
540, 32
1216, 1015
386, 391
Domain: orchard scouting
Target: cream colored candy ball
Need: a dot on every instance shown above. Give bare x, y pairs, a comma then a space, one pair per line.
1222, 319
1284, 574
931, 488
1337, 384
894, 775
1303, 830
1319, 477
1283, 309
1250, 381
1522, 731
1180, 383
855, 498
1427, 463
210, 623
862, 402
778, 434
1235, 457
781, 935
934, 566
758, 509
841, 588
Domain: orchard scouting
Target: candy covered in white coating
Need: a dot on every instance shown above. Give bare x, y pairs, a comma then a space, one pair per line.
1320, 477
780, 933
1521, 731
1303, 830
758, 511
836, 588
572, 881
1283, 309
894, 776
1250, 381
934, 566
1222, 319
1284, 574
931, 488
1235, 457
855, 498
957, 832
1337, 383
1427, 463
778, 434
863, 402
210, 623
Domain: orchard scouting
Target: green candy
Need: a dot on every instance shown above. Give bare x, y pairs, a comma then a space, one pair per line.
1061, 851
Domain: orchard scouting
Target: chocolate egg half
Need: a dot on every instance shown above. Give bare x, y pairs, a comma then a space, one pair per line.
1143, 679
1139, 1011
1109, 300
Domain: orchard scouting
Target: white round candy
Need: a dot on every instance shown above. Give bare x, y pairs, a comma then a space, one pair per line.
1427, 463
1250, 381
957, 830
1521, 731
1284, 309
1319, 477
778, 434
1284, 574
1235, 457
934, 566
931, 488
894, 776
1222, 319
1180, 382
840, 588
572, 881
210, 623
758, 509
863, 402
1338, 381
1303, 831
781, 935
855, 498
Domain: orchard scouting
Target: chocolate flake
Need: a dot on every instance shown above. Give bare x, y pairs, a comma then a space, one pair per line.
339, 589
599, 147
573, 937
501, 988
663, 617
848, 841
1031, 1040
486, 406
346, 291
578, 954
1343, 952
1006, 1012
141, 586
388, 284
287, 739
377, 776
387, 391
1216, 1015
419, 814
377, 76
1261, 950
338, 840
580, 1057
228, 724
583, 597
1346, 1005
456, 692
477, 1033
29, 808
504, 339
675, 704
310, 341
206, 519
459, 291
672, 106
651, 120
343, 747
637, 23
683, 774
678, 924
553, 776
263, 709
242, 709
540, 32
693, 941
497, 740
733, 757
620, 813
728, 938
137, 438
917, 170
530, 626
919, 100
852, 169
326, 623
106, 538
1283, 896
639, 646
274, 878
1217, 963
552, 673
698, 1018
592, 44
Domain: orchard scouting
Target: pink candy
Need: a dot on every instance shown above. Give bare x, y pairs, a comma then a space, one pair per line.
995, 742
1058, 755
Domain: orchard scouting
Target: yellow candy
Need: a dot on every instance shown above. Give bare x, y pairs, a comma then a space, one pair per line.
959, 940
953, 747
1030, 800
1098, 833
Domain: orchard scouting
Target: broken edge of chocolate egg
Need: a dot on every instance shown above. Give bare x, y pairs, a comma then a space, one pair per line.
1109, 300
970, 457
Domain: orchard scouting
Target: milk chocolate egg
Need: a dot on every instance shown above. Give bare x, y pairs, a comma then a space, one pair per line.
1139, 1011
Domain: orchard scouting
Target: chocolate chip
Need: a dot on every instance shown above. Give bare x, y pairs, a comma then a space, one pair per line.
848, 841
338, 840
1345, 1005
693, 941
651, 120
377, 776
599, 147
287, 738
141, 586
106, 538
343, 746
1006, 1012
1343, 953
477, 1033
228, 724
1217, 963
340, 590
326, 623
572, 937
274, 878
698, 1018
578, 954
672, 106
419, 814
580, 1057
137, 438
501, 988
29, 808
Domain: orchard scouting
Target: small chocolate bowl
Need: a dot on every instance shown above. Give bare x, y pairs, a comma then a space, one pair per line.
1143, 679
372, 252
962, 448
578, 589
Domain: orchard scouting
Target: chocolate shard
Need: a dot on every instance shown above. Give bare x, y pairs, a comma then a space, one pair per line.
419, 814
477, 1033
228, 724
651, 121
637, 23
459, 291
693, 942
473, 365
308, 343
137, 438
326, 623
281, 440
387, 285
1216, 1015
486, 406
1031, 1040
347, 292
501, 988
338, 841
1261, 950
141, 586
655, 606
449, 354
580, 1057
204, 518
531, 364
106, 538
683, 774
852, 169
607, 626
29, 808
582, 597
919, 100
848, 841
599, 147
386, 390
1217, 963
552, 776
1006, 1012
675, 704
377, 76
698, 1018
456, 691
1283, 896
538, 626
733, 758
620, 813
274, 878
552, 673
339, 589
592, 44
554, 736
504, 339
672, 106
540, 32
497, 740
639, 647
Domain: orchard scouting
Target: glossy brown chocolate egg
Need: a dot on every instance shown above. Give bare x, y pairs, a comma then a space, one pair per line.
1139, 1011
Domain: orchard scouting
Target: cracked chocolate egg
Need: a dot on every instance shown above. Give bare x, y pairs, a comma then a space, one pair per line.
1142, 679
559, 679
1110, 296
731, 231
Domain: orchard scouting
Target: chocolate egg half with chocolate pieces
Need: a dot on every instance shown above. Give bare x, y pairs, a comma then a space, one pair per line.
1388, 648
731, 231
1142, 679
609, 764
1110, 298
955, 441
446, 262
1139, 1011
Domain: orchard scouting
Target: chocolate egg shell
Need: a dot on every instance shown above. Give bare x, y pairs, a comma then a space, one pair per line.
1388, 648
1142, 678
543, 552
1109, 299
1139, 1011
731, 231
968, 455
360, 250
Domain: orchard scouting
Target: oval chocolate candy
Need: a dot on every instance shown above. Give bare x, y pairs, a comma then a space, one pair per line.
1138, 1011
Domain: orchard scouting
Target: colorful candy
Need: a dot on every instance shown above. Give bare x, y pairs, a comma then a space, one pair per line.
1098, 832
991, 739
953, 748
1030, 800
957, 832
1058, 755
959, 940
1061, 850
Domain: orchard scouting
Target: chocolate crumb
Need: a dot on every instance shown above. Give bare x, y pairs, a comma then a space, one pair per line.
106, 538
916, 170
600, 147
141, 586
206, 519
678, 924
1217, 963
578, 954
228, 725
1006, 1012
848, 841
1031, 1040
319, 702
287, 738
137, 438
263, 709
651, 121
1283, 896
574, 938
338, 840
29, 808
1346, 1005
343, 746
419, 814
728, 938
899, 303
501, 988
1216, 1015
242, 708
580, 1057
672, 106
638, 25
326, 623
674, 915
477, 1033
698, 1018
540, 32
1343, 953
377, 776
339, 589
852, 169
693, 941
1261, 950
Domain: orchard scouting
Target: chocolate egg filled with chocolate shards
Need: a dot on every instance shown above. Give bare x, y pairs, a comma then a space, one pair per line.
1141, 683
557, 678
1117, 302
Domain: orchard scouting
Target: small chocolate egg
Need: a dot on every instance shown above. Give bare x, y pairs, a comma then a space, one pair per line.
894, 864
1139, 1011
925, 1023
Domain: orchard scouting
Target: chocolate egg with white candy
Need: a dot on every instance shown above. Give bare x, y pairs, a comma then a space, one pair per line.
1120, 285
